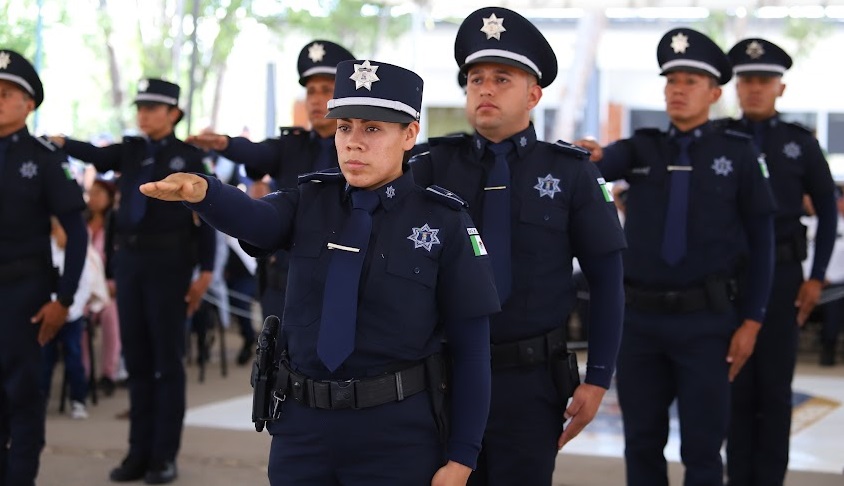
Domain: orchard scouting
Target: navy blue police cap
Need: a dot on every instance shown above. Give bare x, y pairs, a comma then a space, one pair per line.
321, 57
758, 56
16, 69
500, 35
372, 90
684, 49
152, 90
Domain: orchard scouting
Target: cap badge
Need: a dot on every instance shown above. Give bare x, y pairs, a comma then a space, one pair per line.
316, 52
679, 43
5, 59
755, 50
364, 75
143, 85
493, 27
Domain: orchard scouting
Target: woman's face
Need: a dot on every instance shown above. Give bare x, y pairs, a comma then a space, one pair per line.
99, 199
371, 152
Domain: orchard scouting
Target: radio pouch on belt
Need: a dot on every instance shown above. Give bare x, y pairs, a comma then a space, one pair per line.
564, 372
438, 376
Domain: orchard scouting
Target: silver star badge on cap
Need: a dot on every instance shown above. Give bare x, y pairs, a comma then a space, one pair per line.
5, 59
754, 50
679, 43
143, 85
364, 75
493, 27
316, 52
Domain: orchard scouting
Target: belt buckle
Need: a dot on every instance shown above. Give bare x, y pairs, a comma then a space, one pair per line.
671, 300
342, 394
528, 352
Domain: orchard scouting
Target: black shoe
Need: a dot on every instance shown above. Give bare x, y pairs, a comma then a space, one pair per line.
107, 386
827, 353
245, 354
133, 468
161, 473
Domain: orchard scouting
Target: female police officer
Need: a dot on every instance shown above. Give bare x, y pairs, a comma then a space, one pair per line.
356, 347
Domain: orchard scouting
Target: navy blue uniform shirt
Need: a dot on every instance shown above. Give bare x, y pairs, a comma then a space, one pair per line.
729, 186
173, 155
559, 211
283, 158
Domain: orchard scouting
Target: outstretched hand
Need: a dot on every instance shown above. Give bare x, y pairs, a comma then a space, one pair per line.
179, 186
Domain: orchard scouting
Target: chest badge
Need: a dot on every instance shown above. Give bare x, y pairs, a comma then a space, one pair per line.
177, 164
29, 170
722, 166
424, 237
547, 186
792, 150
390, 192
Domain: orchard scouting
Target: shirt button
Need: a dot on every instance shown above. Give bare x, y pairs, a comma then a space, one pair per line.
546, 217
416, 270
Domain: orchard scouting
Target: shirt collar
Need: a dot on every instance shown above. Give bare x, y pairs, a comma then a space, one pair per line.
18, 135
770, 122
392, 192
697, 132
523, 141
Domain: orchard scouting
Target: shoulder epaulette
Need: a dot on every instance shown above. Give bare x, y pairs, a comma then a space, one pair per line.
451, 139
419, 156
326, 175
571, 149
801, 127
132, 139
737, 134
724, 123
446, 197
286, 131
46, 143
650, 131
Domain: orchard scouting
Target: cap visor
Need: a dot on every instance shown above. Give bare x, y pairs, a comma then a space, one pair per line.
689, 69
498, 60
374, 113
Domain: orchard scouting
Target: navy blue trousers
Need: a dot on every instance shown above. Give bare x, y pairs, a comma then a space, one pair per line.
525, 421
388, 445
70, 337
21, 401
757, 446
668, 357
151, 288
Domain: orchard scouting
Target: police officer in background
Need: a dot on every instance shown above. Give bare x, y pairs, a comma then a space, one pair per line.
381, 271
757, 448
159, 244
699, 214
36, 183
537, 205
295, 151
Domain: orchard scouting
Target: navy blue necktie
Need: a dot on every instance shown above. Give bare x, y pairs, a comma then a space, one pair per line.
759, 135
135, 201
336, 339
325, 159
674, 234
496, 218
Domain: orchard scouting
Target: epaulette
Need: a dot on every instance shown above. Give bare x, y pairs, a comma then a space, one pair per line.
133, 139
724, 123
446, 197
451, 139
650, 131
326, 175
801, 127
286, 131
571, 149
737, 134
46, 143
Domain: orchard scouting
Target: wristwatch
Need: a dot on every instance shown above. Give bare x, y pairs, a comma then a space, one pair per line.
66, 301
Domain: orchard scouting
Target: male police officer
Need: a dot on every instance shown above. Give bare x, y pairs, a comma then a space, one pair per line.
695, 192
537, 206
158, 246
757, 448
36, 182
295, 152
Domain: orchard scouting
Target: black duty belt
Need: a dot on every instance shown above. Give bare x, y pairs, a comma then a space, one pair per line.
716, 294
530, 351
18, 269
155, 241
355, 393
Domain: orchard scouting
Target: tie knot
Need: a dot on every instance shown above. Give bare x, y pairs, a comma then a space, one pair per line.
366, 200
500, 148
684, 141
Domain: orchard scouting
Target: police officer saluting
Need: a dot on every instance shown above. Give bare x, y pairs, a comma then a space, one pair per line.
36, 183
381, 271
158, 247
695, 192
296, 151
757, 447
538, 205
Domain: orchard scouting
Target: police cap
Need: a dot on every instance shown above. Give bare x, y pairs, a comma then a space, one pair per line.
152, 90
373, 90
321, 57
16, 69
684, 49
758, 56
499, 35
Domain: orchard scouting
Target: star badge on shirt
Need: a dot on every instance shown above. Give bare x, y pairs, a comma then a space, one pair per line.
29, 170
5, 59
493, 27
547, 186
316, 52
364, 75
722, 166
754, 50
679, 43
391, 192
792, 150
177, 164
424, 237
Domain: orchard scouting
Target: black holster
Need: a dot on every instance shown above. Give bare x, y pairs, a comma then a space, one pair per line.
438, 375
266, 376
564, 373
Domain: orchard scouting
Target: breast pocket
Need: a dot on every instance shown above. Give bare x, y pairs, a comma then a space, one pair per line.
306, 277
542, 227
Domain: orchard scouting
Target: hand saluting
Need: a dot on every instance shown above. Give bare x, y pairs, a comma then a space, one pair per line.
179, 186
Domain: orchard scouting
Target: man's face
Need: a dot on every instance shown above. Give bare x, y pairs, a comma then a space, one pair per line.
499, 99
320, 89
688, 96
758, 95
156, 120
15, 106
371, 152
